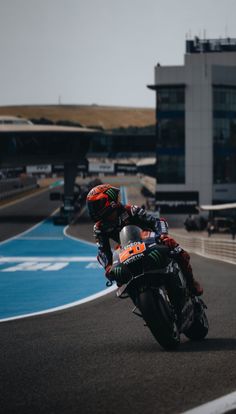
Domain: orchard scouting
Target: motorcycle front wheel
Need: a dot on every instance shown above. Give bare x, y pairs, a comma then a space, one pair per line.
158, 314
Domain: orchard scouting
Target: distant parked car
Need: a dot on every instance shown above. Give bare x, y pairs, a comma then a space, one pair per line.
193, 222
222, 225
2, 175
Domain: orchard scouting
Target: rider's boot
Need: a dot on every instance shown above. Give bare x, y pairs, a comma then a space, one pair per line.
194, 286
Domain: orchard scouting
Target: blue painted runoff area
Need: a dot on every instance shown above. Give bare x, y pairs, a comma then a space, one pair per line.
43, 268
123, 195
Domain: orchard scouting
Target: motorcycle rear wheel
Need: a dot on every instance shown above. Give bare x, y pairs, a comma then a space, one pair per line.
199, 328
158, 315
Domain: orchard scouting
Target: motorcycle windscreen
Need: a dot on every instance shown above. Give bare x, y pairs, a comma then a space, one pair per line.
130, 234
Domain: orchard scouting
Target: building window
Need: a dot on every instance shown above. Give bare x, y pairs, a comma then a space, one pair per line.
224, 166
170, 169
224, 98
171, 99
171, 137
172, 132
125, 144
224, 134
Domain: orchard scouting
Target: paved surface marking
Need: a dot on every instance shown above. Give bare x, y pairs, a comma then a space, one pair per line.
62, 271
222, 405
21, 199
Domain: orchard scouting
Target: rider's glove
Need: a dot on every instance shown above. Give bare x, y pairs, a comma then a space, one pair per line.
168, 241
164, 226
107, 272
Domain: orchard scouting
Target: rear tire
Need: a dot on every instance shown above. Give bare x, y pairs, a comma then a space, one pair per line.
159, 317
199, 328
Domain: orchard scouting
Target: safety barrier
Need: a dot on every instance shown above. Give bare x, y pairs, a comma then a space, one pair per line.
219, 249
13, 186
149, 183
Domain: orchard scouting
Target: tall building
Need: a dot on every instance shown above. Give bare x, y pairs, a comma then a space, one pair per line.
196, 126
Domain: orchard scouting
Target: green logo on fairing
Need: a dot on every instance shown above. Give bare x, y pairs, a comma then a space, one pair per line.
156, 256
117, 271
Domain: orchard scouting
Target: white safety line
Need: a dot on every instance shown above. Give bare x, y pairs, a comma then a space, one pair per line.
19, 200
219, 406
76, 238
67, 306
28, 230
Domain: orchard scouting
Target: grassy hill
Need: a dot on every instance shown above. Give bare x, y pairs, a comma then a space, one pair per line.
107, 117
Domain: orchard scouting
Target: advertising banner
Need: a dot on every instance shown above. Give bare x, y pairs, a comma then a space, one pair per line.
59, 168
126, 168
39, 169
101, 168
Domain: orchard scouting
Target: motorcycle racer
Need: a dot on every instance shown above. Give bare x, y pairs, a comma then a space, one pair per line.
110, 216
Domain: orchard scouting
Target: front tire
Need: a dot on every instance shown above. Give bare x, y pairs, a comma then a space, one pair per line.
159, 317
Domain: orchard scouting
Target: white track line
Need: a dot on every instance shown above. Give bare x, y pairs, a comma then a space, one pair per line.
219, 406
76, 238
28, 230
19, 200
58, 308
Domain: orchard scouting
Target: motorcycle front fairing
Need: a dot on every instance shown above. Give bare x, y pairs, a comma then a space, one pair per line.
143, 260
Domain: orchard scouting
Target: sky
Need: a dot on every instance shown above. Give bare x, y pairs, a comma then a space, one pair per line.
98, 51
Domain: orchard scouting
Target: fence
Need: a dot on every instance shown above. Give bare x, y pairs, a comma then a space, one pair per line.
149, 183
219, 249
13, 186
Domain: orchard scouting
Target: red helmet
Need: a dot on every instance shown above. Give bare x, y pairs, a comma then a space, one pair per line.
102, 200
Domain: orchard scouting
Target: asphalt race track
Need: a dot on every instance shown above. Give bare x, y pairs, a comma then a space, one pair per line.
99, 358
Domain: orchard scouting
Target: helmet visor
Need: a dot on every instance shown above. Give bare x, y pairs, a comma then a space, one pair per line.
97, 209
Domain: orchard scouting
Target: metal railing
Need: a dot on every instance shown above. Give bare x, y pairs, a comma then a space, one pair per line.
219, 249
149, 183
13, 186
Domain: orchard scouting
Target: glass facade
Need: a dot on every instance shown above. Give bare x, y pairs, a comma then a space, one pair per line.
171, 135
224, 138
33, 147
125, 144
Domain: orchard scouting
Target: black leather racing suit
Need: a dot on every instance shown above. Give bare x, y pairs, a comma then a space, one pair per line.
131, 214
103, 231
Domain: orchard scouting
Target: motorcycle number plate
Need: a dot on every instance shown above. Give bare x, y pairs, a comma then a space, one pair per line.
131, 251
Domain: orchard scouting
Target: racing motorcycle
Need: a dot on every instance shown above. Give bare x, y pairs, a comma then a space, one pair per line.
146, 271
